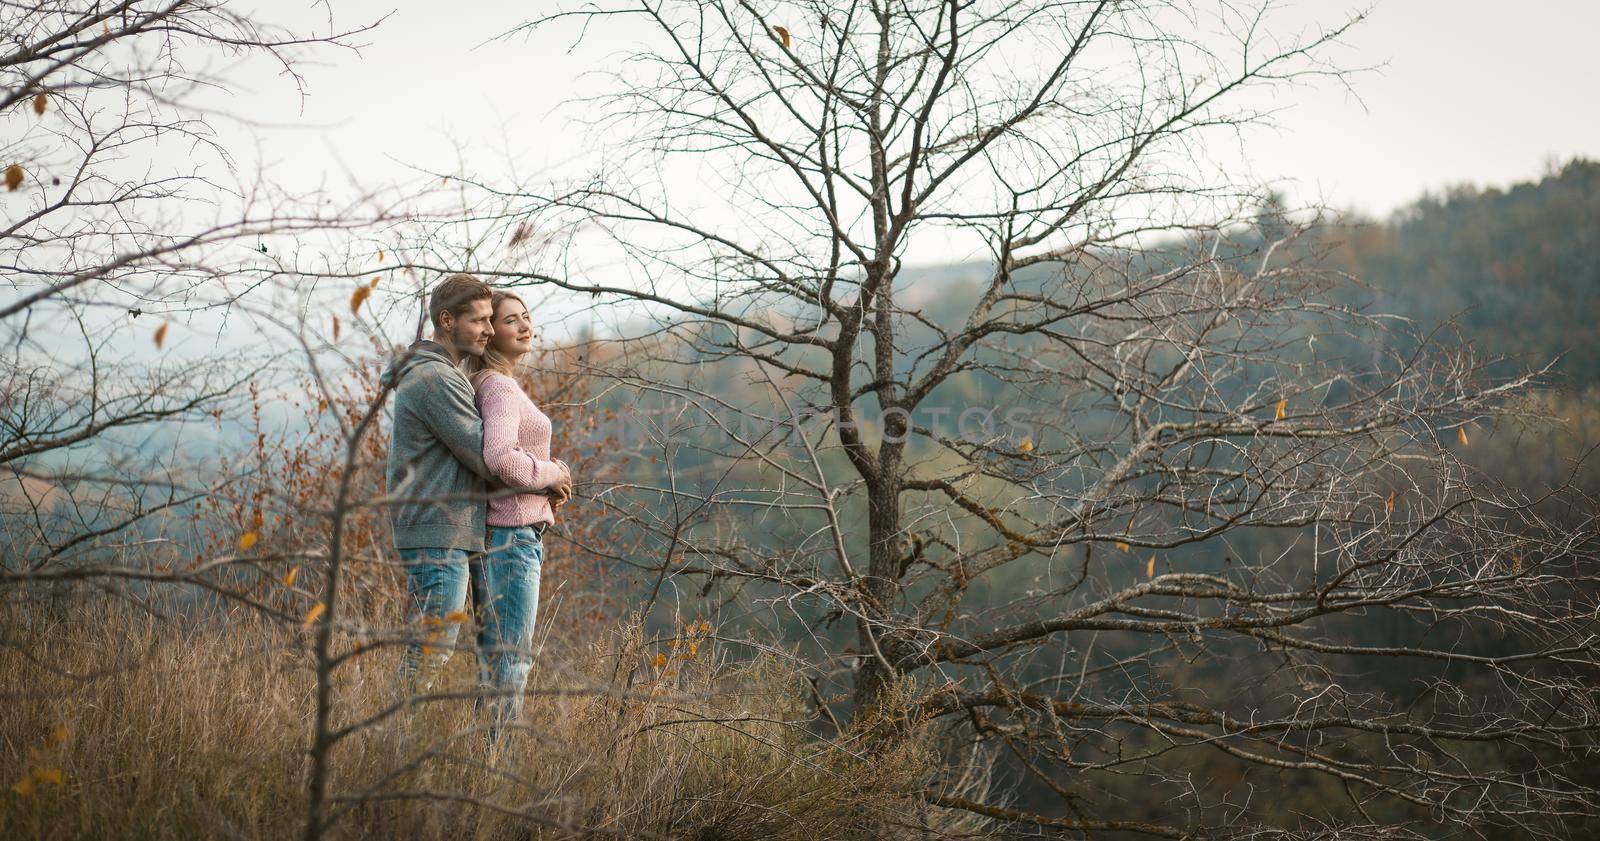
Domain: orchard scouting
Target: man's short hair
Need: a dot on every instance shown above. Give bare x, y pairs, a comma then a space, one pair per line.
454, 295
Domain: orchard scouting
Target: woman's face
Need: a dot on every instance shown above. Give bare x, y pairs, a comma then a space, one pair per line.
513, 328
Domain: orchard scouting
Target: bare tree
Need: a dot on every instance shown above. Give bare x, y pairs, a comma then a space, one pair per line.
118, 223
122, 218
1223, 546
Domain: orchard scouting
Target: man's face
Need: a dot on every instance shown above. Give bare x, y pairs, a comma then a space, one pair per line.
470, 332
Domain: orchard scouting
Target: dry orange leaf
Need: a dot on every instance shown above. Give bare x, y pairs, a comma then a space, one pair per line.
1124, 547
1282, 410
39, 101
783, 34
374, 283
456, 616
520, 235
161, 336
1026, 446
358, 297
24, 787
59, 736
336, 328
1150, 567
288, 579
247, 540
659, 660
312, 614
1389, 504
1461, 434
49, 775
13, 177
380, 255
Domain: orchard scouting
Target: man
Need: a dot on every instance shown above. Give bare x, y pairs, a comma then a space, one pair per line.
436, 465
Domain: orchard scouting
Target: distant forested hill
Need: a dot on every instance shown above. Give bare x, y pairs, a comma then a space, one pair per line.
1518, 268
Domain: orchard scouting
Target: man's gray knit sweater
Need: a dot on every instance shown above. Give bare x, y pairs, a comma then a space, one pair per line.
435, 453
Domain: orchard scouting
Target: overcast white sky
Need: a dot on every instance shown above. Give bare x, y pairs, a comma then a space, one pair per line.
1481, 91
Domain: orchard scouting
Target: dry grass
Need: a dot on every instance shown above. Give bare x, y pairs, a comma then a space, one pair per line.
159, 731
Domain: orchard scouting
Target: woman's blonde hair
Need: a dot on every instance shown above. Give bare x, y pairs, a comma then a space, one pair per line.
493, 361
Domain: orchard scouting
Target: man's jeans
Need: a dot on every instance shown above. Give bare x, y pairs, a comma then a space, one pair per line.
436, 584
505, 590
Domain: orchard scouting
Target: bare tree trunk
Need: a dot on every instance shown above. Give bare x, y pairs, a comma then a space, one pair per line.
875, 636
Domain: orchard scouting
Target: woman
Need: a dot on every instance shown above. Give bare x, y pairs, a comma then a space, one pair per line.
516, 448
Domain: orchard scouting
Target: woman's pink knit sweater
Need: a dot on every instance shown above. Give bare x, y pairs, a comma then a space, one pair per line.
516, 448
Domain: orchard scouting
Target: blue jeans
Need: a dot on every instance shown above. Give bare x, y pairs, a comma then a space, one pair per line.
505, 589
436, 584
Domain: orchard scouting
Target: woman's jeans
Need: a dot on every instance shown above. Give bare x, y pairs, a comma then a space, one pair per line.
505, 590
505, 587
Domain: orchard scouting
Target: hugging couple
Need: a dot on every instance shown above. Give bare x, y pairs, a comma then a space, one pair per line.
464, 431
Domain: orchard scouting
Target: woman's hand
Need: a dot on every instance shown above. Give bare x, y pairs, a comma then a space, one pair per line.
561, 491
